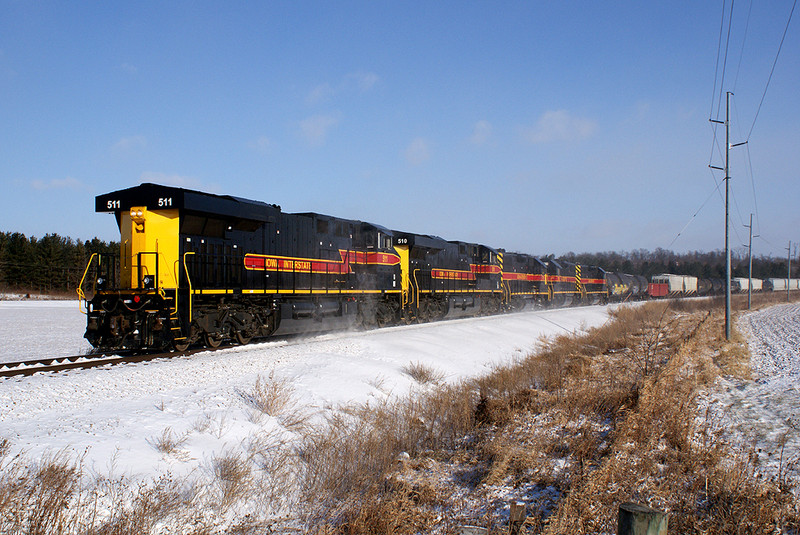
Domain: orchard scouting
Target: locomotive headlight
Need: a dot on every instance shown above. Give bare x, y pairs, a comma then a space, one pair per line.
101, 283
148, 281
137, 215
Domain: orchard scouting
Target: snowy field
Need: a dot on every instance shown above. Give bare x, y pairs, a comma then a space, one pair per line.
32, 329
764, 413
115, 416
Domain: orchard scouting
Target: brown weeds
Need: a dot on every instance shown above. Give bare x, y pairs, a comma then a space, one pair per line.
423, 373
598, 419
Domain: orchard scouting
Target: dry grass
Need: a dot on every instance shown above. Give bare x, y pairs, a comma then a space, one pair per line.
54, 496
271, 396
234, 477
345, 462
423, 373
168, 442
614, 410
274, 396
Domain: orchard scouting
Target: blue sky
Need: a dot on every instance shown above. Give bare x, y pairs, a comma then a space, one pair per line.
541, 127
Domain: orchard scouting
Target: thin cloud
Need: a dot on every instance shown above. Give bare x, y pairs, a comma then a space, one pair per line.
58, 183
315, 129
364, 80
559, 125
321, 93
130, 69
418, 151
360, 82
129, 145
481, 133
262, 144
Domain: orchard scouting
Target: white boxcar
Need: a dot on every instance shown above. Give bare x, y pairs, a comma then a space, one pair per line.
778, 285
744, 283
794, 284
683, 284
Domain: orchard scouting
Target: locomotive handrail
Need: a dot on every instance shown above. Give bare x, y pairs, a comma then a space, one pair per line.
416, 287
189, 280
81, 295
146, 269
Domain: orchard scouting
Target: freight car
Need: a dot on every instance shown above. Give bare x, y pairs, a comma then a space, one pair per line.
742, 284
672, 285
198, 268
626, 287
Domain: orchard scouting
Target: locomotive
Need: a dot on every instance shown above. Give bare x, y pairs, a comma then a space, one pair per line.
199, 268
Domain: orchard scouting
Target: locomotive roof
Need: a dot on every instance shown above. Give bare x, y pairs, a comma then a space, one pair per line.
156, 196
356, 222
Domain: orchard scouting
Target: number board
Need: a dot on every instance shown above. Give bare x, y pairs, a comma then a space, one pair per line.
160, 198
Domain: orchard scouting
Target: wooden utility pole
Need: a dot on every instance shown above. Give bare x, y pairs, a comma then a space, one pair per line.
727, 219
789, 270
635, 519
728, 147
750, 261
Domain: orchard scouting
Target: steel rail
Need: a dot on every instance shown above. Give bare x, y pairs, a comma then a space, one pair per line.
58, 364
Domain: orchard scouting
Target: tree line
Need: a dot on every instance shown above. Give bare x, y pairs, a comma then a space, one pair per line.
49, 265
703, 265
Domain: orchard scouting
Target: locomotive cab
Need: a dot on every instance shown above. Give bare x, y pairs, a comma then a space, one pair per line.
135, 294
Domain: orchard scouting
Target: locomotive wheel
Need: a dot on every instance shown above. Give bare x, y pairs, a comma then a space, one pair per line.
243, 338
181, 345
384, 315
424, 314
212, 340
438, 310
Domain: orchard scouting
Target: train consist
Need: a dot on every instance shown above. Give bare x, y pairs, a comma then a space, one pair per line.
197, 268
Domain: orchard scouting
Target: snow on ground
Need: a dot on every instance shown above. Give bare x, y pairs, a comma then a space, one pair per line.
765, 412
115, 416
32, 329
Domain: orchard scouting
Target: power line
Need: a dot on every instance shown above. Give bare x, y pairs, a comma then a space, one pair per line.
753, 184
741, 52
716, 189
741, 219
773, 69
715, 143
725, 61
716, 67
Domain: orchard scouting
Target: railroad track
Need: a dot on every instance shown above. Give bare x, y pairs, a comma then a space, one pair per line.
96, 360
58, 364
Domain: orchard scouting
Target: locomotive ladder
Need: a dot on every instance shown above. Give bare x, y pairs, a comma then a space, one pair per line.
174, 319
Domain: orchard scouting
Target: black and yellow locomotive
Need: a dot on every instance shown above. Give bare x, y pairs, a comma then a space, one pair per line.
197, 268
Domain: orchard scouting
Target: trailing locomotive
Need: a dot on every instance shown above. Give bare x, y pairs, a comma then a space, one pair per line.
195, 268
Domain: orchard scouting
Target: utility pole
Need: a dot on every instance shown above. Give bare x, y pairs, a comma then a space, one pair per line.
727, 219
728, 147
750, 261
789, 270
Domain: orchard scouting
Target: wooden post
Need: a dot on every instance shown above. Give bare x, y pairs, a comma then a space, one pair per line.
473, 530
637, 519
517, 516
